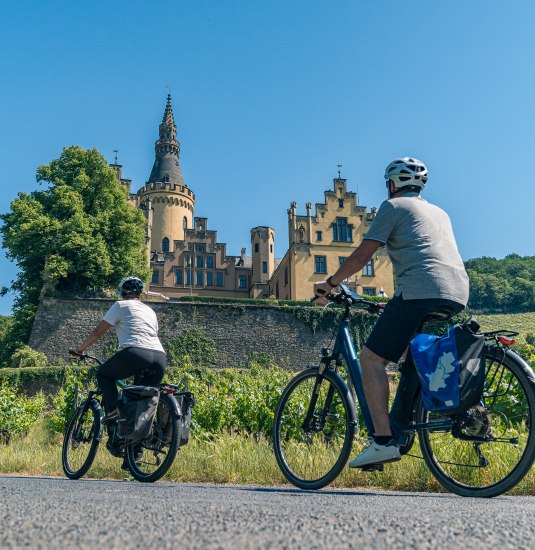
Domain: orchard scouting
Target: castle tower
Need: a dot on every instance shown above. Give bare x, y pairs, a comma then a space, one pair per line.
170, 198
263, 245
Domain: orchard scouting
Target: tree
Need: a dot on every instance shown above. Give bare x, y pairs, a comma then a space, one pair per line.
79, 233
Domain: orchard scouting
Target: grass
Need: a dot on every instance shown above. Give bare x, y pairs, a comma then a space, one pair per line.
222, 459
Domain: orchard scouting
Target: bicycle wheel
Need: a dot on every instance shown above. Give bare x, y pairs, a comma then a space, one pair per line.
505, 416
150, 459
313, 429
81, 439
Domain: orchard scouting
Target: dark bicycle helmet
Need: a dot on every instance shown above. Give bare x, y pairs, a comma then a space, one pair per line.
130, 287
407, 172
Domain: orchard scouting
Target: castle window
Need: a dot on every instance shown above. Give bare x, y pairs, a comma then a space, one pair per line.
179, 277
320, 263
271, 248
199, 278
243, 281
199, 248
166, 179
341, 260
285, 276
165, 245
188, 277
342, 231
209, 262
185, 223
277, 290
155, 279
219, 279
187, 260
340, 203
256, 247
319, 235
367, 291
200, 261
264, 267
369, 271
209, 278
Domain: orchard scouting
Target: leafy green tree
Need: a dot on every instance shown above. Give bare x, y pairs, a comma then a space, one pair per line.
78, 234
505, 285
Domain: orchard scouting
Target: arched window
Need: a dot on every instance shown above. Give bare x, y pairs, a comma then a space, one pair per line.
185, 223
165, 244
166, 179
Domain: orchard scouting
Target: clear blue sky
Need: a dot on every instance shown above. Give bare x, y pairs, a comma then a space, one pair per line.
269, 96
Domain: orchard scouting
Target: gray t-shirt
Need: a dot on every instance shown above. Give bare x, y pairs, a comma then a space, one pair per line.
420, 242
135, 325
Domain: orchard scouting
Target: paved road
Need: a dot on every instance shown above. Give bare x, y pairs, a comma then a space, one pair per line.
57, 513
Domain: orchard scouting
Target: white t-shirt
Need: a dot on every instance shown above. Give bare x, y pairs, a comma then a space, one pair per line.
135, 324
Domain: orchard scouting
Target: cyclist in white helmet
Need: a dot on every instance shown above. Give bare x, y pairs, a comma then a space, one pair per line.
140, 351
430, 276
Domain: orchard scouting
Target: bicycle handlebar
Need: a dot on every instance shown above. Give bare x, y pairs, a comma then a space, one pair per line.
349, 298
84, 356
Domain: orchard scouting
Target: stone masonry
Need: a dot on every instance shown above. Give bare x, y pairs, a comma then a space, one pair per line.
238, 330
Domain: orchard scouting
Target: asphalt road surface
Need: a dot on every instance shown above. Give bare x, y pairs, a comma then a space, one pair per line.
58, 513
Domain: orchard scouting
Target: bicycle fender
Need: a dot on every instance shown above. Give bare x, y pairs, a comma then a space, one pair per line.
95, 403
522, 363
176, 412
352, 408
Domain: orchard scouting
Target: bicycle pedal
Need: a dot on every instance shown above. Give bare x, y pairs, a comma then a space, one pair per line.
373, 468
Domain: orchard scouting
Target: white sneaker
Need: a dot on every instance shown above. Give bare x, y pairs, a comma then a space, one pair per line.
376, 454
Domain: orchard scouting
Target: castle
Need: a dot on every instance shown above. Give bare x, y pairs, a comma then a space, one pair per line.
186, 258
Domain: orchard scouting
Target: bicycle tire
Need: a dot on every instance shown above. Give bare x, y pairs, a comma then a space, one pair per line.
447, 472
165, 434
90, 435
305, 439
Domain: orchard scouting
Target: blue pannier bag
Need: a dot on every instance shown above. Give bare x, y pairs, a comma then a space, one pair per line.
451, 367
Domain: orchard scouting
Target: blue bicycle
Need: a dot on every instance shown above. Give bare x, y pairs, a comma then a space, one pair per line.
482, 452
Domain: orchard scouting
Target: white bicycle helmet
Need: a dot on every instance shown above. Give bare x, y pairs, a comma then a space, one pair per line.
130, 286
407, 172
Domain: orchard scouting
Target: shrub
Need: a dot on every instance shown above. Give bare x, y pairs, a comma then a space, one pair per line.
25, 356
18, 413
77, 382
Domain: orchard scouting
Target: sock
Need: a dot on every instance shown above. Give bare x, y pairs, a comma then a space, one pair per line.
382, 439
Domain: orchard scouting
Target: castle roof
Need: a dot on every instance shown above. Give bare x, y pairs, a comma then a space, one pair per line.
166, 166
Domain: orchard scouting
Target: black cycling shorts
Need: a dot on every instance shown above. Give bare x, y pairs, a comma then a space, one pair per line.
400, 320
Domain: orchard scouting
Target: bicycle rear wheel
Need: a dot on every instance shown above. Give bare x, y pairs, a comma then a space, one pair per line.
505, 417
81, 439
150, 459
313, 428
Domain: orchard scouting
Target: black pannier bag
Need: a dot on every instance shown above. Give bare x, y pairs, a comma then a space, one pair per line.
451, 367
186, 402
137, 407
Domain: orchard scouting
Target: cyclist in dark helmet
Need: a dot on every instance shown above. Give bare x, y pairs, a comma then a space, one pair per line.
140, 351
430, 276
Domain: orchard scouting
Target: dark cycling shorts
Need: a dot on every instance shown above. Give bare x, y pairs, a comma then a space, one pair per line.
399, 322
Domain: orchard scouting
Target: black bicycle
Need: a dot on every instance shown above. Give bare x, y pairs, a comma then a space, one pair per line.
148, 460
482, 452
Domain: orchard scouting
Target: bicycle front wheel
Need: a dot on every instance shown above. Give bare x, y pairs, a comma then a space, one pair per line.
150, 459
81, 439
490, 447
313, 428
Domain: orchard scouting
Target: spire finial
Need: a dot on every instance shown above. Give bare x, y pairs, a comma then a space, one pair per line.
116, 151
339, 166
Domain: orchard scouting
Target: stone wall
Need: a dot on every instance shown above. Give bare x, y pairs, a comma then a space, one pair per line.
238, 330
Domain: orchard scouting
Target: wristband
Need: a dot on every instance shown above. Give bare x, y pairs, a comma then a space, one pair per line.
329, 281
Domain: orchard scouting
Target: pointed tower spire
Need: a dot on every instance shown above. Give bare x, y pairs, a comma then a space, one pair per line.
166, 167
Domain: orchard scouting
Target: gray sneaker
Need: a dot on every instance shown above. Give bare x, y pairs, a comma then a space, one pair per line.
376, 454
